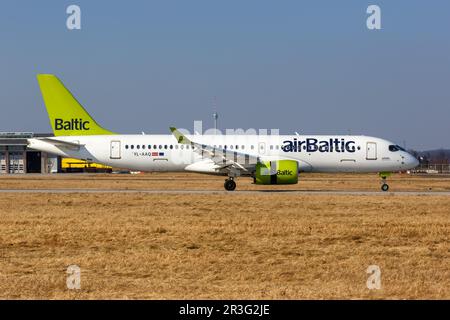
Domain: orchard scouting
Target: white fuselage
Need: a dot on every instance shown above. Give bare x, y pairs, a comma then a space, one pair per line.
163, 153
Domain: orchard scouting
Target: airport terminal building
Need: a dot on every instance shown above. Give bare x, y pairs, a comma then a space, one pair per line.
17, 158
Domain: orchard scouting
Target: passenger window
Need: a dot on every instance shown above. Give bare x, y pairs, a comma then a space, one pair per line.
143, 146
160, 146
242, 147
271, 147
126, 146
132, 146
149, 146
252, 147
171, 146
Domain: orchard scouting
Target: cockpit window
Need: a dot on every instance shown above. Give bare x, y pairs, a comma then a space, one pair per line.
395, 148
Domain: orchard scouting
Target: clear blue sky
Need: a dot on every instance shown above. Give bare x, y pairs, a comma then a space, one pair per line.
307, 66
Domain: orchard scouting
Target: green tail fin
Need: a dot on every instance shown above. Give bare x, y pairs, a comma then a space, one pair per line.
67, 115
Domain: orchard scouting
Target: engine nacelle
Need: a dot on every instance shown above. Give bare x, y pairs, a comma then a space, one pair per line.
277, 172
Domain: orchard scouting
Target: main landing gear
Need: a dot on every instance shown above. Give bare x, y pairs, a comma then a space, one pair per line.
230, 184
384, 185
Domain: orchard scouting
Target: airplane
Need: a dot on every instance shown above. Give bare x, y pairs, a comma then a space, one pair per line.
268, 159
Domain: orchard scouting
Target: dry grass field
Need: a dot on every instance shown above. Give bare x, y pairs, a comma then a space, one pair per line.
267, 245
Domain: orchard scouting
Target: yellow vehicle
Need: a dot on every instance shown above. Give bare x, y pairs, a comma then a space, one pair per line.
74, 165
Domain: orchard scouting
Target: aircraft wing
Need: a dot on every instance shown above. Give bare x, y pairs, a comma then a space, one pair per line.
224, 158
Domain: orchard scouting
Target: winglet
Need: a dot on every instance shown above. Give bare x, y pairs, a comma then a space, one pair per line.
181, 138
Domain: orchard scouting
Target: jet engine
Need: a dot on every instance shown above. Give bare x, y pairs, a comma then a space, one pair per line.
276, 172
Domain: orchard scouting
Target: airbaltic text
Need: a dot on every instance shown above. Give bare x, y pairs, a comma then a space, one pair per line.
313, 145
72, 124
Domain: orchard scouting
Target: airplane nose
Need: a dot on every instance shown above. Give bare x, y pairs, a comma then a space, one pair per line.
409, 161
412, 161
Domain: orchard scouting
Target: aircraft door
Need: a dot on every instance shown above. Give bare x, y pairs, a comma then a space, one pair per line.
115, 150
371, 151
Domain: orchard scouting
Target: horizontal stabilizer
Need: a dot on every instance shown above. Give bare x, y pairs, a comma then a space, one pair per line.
60, 143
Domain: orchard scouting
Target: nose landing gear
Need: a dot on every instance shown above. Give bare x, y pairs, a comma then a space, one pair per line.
384, 185
229, 184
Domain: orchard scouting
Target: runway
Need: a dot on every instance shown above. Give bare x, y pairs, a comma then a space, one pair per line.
119, 229
237, 192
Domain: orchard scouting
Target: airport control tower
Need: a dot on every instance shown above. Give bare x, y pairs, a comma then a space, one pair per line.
215, 114
215, 117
